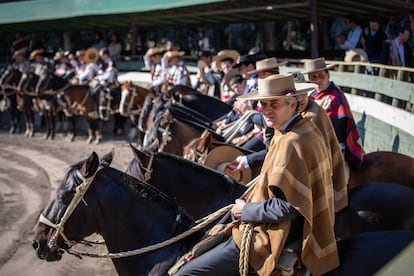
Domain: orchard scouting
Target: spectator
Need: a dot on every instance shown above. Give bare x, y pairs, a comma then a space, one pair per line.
115, 47
372, 40
99, 42
397, 52
353, 36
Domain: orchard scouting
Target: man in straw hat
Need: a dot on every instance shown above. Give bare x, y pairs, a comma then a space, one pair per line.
224, 61
285, 205
153, 61
87, 72
107, 79
308, 109
177, 73
40, 66
333, 100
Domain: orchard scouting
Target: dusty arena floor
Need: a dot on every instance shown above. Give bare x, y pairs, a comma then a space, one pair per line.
30, 171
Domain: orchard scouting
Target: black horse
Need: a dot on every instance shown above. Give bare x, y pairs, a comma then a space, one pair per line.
130, 214
9, 84
372, 207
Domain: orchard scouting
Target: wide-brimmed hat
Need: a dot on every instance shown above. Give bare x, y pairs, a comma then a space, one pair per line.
36, 52
316, 65
91, 55
276, 86
226, 54
153, 51
19, 52
170, 54
80, 53
247, 59
267, 64
232, 77
221, 156
356, 54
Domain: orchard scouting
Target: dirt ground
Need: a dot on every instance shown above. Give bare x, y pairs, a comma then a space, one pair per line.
30, 171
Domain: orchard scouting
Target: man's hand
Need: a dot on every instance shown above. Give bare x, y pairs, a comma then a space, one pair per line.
238, 208
236, 164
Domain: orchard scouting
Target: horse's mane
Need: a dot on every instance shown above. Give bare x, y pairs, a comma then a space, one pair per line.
138, 188
193, 165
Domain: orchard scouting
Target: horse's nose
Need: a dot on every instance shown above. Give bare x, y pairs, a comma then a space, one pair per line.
35, 244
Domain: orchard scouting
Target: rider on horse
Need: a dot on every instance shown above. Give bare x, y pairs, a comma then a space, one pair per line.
107, 79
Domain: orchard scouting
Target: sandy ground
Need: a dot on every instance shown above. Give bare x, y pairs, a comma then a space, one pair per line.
30, 171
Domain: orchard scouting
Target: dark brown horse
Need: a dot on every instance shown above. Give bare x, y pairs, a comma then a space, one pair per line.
9, 85
77, 100
46, 101
384, 166
131, 215
132, 98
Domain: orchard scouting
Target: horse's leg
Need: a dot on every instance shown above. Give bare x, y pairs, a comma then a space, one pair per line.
98, 132
52, 125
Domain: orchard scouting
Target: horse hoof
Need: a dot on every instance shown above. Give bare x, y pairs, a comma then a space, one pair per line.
89, 140
12, 130
97, 140
70, 137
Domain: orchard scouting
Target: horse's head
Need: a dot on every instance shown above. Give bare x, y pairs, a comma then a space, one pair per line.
138, 164
132, 98
69, 217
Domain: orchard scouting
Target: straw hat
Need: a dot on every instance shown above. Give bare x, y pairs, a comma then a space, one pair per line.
221, 156
226, 54
91, 55
80, 53
170, 54
276, 86
316, 65
267, 64
232, 77
356, 54
19, 52
153, 51
36, 52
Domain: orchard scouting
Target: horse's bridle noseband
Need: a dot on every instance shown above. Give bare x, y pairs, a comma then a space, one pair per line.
59, 227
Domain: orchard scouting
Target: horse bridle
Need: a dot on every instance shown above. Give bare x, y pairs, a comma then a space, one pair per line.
60, 227
134, 94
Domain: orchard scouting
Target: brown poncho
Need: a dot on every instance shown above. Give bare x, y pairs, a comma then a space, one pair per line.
340, 182
299, 164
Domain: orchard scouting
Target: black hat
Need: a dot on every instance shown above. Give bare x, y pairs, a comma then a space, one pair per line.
247, 59
206, 53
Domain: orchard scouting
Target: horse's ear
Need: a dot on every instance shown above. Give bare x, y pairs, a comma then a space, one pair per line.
138, 154
90, 165
106, 160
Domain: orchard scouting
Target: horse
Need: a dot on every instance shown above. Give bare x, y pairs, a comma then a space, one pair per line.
46, 101
211, 107
131, 215
384, 166
77, 100
371, 207
200, 190
9, 81
25, 97
171, 133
